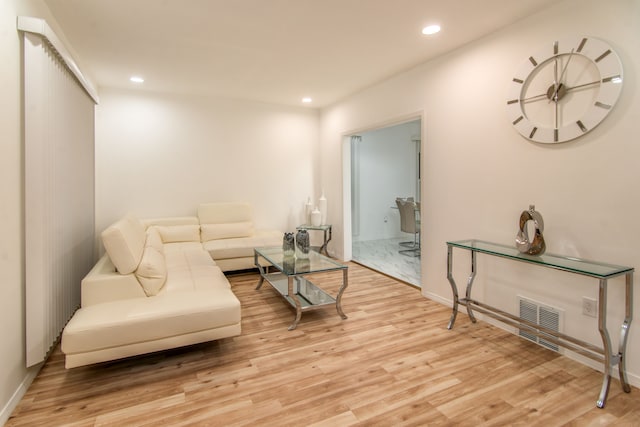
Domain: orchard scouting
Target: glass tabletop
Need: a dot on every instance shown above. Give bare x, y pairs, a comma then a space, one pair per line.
292, 266
313, 227
576, 265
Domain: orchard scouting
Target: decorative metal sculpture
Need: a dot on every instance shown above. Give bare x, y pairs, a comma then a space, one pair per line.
302, 244
536, 246
288, 245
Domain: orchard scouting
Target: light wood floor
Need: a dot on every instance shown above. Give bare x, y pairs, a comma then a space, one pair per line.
392, 362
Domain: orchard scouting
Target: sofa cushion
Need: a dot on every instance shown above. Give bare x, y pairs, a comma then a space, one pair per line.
137, 320
179, 233
190, 268
152, 271
124, 242
242, 247
154, 239
226, 231
225, 220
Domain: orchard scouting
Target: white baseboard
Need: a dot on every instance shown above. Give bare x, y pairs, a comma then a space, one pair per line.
437, 298
19, 394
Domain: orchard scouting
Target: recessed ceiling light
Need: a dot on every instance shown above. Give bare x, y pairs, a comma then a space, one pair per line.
137, 79
430, 29
307, 100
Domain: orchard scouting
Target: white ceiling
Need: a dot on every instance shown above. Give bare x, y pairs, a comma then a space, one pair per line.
274, 51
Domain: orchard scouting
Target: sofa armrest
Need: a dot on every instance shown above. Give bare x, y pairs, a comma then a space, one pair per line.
103, 283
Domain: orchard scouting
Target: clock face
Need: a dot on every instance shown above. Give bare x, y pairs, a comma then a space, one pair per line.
564, 90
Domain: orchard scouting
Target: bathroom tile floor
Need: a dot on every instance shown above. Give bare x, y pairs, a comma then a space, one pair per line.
383, 256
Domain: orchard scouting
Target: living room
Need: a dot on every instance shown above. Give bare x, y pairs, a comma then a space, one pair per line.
479, 174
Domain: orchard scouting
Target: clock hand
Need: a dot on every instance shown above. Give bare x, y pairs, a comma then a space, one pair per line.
581, 85
556, 80
549, 96
554, 96
555, 106
564, 70
534, 98
557, 83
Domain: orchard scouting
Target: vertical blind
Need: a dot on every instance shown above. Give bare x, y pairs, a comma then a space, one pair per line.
59, 191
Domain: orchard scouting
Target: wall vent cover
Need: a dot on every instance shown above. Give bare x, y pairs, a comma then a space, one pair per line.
542, 315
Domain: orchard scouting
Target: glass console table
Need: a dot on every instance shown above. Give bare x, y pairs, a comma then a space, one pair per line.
292, 283
597, 270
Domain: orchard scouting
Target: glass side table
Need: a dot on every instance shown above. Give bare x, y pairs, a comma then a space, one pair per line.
326, 229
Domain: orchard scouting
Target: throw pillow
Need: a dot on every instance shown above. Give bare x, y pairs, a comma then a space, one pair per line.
152, 271
124, 242
154, 239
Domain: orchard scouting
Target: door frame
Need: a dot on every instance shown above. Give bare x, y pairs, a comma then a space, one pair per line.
346, 172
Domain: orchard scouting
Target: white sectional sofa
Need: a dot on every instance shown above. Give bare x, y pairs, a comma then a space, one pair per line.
157, 287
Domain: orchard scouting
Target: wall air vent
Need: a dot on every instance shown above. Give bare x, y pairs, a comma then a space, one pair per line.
540, 314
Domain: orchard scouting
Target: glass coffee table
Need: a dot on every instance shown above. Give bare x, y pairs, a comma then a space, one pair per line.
291, 281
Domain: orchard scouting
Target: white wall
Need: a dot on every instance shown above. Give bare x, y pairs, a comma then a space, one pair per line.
479, 173
162, 155
387, 160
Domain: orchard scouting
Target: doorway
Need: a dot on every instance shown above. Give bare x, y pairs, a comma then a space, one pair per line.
385, 164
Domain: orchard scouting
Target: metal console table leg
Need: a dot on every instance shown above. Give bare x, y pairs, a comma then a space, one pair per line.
345, 283
292, 294
454, 287
325, 241
472, 276
609, 359
624, 333
260, 269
